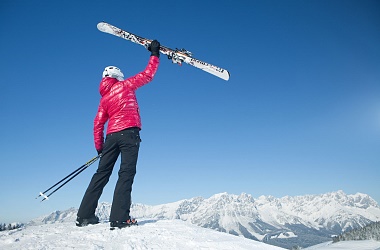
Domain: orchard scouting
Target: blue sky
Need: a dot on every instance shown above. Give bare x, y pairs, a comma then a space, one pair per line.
299, 115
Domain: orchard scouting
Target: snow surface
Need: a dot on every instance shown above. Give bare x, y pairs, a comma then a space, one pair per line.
150, 234
347, 245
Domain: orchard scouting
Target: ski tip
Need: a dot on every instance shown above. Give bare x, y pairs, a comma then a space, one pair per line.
226, 76
221, 73
100, 25
104, 27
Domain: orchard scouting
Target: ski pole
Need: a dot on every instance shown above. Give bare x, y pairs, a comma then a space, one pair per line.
72, 175
78, 169
42, 193
46, 197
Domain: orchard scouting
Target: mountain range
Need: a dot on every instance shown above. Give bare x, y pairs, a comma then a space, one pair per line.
286, 222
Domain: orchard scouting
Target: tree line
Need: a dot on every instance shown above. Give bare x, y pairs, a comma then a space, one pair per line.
369, 232
4, 227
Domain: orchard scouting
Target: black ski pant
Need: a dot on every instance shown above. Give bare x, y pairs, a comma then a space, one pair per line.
126, 142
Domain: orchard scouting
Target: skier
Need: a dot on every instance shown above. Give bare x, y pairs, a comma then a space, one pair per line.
118, 106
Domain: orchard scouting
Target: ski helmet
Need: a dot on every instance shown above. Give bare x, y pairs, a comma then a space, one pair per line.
114, 72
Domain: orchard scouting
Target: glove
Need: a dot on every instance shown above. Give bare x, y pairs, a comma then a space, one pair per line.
154, 47
99, 151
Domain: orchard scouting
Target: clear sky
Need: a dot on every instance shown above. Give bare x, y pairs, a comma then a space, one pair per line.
299, 115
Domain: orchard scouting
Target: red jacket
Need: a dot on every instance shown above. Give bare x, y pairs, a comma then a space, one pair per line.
118, 104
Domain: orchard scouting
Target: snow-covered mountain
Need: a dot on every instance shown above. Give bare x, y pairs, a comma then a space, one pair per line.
286, 222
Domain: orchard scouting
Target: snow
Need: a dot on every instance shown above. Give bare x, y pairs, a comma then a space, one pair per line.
150, 234
347, 245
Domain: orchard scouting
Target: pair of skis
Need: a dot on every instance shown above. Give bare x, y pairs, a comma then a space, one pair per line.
178, 56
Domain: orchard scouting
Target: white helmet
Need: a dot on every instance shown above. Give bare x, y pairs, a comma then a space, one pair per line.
114, 72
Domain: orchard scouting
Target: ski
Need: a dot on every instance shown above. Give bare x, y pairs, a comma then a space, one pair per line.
177, 56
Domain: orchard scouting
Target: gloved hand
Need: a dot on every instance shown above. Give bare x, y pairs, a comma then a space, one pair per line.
99, 151
154, 47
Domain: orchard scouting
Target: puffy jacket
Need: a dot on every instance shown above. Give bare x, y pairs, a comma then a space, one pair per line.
118, 104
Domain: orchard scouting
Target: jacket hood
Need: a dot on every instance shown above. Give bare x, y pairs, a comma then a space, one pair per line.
106, 85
